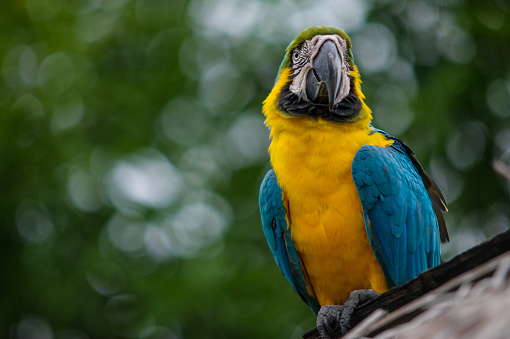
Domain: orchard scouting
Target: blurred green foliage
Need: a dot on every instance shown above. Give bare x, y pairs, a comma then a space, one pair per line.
133, 146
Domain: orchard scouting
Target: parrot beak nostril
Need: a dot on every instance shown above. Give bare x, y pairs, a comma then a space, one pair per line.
316, 90
323, 89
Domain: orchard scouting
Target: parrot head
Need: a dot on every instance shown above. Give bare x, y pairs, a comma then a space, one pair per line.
318, 79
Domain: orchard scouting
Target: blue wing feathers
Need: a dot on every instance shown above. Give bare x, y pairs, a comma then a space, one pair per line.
278, 236
399, 217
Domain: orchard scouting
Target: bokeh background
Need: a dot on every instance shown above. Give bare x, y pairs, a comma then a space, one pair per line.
132, 148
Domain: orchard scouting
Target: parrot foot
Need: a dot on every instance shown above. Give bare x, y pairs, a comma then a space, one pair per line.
331, 316
356, 298
328, 319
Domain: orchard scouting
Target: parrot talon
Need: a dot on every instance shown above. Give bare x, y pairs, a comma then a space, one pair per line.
356, 298
333, 317
327, 320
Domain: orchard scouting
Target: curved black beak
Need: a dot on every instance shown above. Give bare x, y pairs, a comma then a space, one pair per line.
324, 79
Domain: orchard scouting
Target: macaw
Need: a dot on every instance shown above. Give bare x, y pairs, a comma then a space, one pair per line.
345, 207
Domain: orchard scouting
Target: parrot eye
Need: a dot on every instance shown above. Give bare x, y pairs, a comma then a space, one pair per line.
295, 55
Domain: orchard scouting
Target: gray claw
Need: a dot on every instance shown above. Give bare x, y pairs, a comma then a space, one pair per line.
327, 320
332, 317
356, 298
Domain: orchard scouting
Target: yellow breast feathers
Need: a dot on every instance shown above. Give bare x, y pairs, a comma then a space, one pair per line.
312, 161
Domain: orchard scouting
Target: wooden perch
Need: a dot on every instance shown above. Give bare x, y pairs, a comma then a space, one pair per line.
471, 305
428, 280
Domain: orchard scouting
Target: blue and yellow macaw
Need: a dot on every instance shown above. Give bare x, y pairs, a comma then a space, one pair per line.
346, 206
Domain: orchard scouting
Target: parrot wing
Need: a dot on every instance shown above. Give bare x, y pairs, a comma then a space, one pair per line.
400, 216
278, 236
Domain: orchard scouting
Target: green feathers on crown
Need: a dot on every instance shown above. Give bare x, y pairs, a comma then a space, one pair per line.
308, 34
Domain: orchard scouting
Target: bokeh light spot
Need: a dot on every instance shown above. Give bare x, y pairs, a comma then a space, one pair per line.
351, 15
456, 45
247, 141
28, 64
95, 25
498, 98
447, 178
68, 114
124, 311
148, 179
106, 278
391, 110
56, 74
33, 327
33, 225
19, 67
157, 242
198, 224
28, 104
467, 145
421, 16
374, 48
219, 84
402, 73
502, 141
225, 17
82, 190
200, 164
126, 232
183, 121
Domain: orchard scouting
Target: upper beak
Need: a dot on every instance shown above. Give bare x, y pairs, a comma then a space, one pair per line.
325, 77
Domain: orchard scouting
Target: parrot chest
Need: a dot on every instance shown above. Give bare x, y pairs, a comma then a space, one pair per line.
325, 212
